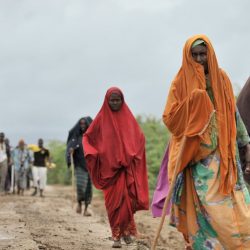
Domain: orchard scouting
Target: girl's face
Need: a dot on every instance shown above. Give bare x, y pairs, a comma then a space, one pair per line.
115, 102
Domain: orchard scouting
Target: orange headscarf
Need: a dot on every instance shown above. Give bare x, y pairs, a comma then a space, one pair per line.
189, 109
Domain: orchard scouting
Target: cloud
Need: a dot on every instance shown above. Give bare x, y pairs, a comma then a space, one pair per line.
59, 57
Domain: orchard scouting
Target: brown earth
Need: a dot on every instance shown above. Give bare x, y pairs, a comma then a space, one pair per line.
29, 223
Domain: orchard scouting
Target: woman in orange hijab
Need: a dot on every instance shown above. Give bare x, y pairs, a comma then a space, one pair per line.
210, 202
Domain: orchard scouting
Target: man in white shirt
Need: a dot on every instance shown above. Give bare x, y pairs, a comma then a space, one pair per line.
3, 163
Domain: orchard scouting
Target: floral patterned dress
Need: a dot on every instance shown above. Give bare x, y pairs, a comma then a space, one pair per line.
208, 219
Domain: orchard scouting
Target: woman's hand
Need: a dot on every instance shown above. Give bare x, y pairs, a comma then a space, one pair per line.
71, 150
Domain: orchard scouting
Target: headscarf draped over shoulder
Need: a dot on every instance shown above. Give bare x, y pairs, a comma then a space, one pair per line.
76, 130
189, 109
114, 144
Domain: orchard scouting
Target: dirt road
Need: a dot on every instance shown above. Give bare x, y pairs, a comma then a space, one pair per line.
29, 223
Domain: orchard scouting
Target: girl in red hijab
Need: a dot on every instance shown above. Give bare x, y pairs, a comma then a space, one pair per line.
114, 148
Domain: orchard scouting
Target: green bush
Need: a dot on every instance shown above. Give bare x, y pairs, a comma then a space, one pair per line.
61, 174
157, 137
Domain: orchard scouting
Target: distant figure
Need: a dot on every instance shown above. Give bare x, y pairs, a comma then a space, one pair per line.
114, 147
29, 175
3, 163
83, 182
8, 181
22, 159
39, 169
243, 104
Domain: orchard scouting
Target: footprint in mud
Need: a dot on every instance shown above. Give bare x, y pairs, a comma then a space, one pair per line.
143, 244
41, 247
71, 229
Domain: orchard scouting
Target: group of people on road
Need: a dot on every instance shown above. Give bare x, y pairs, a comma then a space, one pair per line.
207, 161
22, 165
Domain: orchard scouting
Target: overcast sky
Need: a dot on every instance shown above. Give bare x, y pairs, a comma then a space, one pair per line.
58, 57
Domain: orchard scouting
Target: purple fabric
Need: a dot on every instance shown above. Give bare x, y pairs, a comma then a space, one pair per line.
162, 188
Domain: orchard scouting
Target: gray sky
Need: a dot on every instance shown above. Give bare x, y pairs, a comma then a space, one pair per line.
58, 57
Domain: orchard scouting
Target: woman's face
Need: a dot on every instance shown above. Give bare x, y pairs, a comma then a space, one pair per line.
199, 54
115, 102
83, 125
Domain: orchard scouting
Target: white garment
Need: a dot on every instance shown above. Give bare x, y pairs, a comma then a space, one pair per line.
3, 154
39, 174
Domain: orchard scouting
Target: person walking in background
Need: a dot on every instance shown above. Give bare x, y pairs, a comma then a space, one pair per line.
22, 159
29, 174
3, 163
114, 148
39, 170
83, 182
210, 201
243, 104
9, 177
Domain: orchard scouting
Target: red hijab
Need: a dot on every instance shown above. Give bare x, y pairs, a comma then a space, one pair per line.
114, 144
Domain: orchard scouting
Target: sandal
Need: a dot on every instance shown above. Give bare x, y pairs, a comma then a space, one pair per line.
117, 244
128, 240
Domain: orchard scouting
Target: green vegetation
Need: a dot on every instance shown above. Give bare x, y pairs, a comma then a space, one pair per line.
61, 174
157, 137
156, 140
